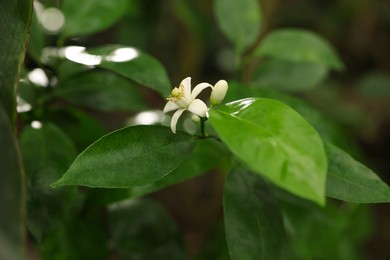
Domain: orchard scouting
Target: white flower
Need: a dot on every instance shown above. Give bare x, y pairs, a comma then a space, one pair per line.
219, 92
182, 99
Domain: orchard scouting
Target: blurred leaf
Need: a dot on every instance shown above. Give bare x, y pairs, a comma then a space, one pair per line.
375, 84
351, 181
128, 62
36, 42
102, 91
129, 157
276, 142
82, 128
82, 236
15, 18
44, 163
286, 75
142, 229
11, 192
91, 16
325, 232
253, 221
301, 46
239, 20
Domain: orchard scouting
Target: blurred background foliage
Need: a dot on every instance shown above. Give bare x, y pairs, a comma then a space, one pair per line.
184, 36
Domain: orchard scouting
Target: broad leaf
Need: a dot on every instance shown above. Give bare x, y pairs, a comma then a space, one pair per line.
332, 232
91, 16
15, 18
11, 193
207, 155
375, 84
239, 20
129, 157
253, 221
351, 181
297, 45
45, 163
128, 222
286, 75
124, 60
276, 142
102, 91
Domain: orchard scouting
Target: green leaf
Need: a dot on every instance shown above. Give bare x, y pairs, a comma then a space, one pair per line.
375, 85
351, 181
276, 142
128, 222
130, 63
286, 75
297, 45
11, 192
82, 128
36, 42
240, 21
91, 16
102, 91
253, 221
333, 232
129, 157
45, 163
206, 156
15, 18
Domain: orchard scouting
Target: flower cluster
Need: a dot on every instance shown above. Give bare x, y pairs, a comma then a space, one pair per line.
182, 99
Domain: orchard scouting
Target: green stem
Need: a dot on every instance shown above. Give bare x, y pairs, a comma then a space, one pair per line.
202, 126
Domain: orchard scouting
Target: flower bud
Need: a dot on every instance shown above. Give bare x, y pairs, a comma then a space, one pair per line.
195, 118
219, 92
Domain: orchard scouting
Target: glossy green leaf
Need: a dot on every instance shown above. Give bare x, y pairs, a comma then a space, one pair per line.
15, 18
276, 142
11, 193
128, 222
351, 181
297, 45
129, 157
45, 163
91, 16
327, 128
253, 221
286, 75
206, 155
101, 91
239, 20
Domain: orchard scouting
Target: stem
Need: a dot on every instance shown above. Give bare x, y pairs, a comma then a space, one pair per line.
202, 126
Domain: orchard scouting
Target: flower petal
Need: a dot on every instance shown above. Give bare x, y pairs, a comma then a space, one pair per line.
175, 118
198, 88
198, 107
187, 87
170, 106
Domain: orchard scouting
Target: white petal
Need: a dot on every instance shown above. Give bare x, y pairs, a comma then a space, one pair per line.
170, 106
219, 92
198, 88
198, 107
175, 118
187, 87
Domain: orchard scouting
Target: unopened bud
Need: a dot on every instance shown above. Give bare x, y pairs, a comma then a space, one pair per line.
195, 118
219, 92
